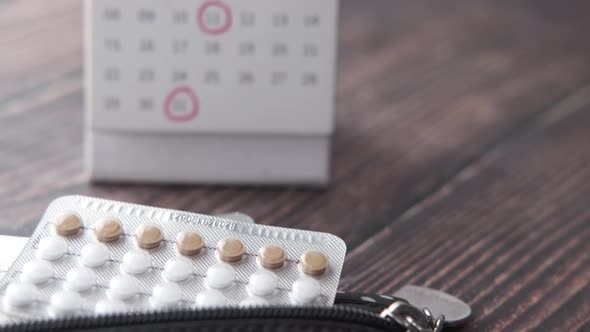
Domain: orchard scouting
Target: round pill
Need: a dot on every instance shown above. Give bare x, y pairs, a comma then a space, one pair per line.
210, 298
305, 290
94, 255
220, 276
263, 283
37, 272
166, 295
177, 269
272, 256
123, 287
52, 248
80, 279
230, 250
109, 307
20, 295
148, 236
108, 229
314, 262
66, 224
65, 302
254, 301
136, 261
189, 243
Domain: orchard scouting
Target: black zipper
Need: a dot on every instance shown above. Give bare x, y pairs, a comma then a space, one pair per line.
340, 314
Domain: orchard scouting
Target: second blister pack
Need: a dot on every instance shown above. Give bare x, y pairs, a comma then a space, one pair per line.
94, 256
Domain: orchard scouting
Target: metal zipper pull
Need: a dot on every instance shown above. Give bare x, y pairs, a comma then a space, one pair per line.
456, 312
412, 318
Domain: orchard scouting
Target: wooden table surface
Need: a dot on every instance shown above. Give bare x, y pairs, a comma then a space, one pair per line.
461, 159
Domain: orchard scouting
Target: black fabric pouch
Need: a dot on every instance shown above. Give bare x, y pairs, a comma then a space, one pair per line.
350, 313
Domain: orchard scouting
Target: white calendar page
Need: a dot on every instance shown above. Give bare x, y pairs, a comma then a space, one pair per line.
231, 66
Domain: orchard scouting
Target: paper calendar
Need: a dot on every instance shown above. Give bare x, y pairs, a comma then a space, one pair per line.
210, 91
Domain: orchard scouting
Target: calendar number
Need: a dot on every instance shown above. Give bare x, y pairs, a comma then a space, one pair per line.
146, 16
248, 19
112, 74
280, 49
212, 77
181, 105
278, 78
311, 21
280, 20
180, 17
112, 103
247, 49
246, 78
112, 45
309, 79
212, 48
179, 76
146, 104
111, 14
147, 46
310, 50
179, 46
146, 75
214, 17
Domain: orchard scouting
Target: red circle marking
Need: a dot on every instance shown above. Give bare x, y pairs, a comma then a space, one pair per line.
228, 17
194, 101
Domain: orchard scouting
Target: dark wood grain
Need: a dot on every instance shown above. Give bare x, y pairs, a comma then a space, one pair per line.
460, 159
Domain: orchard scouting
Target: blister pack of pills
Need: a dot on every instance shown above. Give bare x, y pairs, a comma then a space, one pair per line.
93, 256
